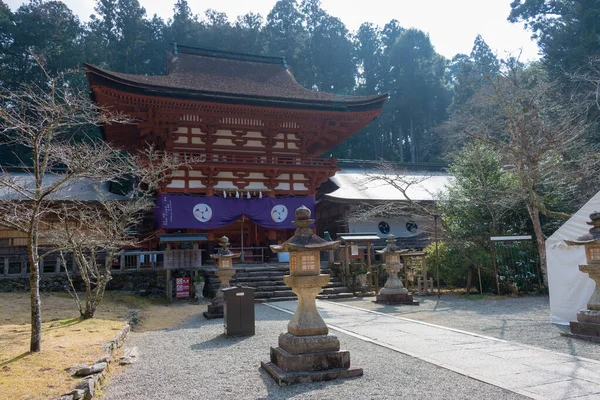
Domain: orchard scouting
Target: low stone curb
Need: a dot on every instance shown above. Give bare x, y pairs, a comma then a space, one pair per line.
85, 389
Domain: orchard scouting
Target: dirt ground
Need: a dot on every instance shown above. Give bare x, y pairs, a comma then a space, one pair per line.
68, 340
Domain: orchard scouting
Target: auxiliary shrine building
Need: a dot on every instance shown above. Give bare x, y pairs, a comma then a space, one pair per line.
254, 133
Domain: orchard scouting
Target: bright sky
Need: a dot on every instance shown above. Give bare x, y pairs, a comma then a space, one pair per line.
452, 24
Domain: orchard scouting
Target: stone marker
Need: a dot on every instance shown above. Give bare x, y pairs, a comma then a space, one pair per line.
307, 352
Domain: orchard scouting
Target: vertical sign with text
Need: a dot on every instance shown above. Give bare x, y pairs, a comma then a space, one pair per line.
182, 287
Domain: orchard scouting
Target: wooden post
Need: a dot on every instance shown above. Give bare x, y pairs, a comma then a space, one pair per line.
242, 259
424, 270
122, 260
346, 262
437, 254
493, 251
6, 265
169, 288
57, 266
138, 262
41, 266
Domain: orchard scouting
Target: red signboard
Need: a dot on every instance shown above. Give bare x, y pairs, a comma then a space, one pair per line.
182, 287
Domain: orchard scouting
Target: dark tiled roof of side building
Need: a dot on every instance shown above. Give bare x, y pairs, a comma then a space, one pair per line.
231, 77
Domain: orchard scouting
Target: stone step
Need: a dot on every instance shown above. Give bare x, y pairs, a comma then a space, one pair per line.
273, 288
334, 290
257, 283
253, 279
259, 274
277, 293
334, 296
273, 299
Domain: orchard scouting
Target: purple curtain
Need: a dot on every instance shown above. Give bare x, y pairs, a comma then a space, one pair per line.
185, 211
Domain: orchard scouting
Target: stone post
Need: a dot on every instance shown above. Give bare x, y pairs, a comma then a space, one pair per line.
587, 326
307, 352
225, 272
393, 291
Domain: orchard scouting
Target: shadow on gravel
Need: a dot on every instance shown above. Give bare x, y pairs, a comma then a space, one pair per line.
218, 342
285, 392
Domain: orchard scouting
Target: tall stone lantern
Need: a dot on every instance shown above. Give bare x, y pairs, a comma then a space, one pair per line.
587, 325
307, 352
393, 291
225, 271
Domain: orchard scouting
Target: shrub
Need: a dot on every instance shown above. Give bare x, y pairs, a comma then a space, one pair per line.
454, 267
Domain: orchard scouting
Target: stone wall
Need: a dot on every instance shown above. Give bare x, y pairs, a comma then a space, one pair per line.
146, 283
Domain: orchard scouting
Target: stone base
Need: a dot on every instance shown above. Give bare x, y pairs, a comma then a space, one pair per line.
589, 316
405, 299
582, 337
310, 362
214, 311
308, 344
390, 291
288, 378
309, 359
587, 326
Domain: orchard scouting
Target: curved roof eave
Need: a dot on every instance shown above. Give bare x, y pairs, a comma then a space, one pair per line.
362, 103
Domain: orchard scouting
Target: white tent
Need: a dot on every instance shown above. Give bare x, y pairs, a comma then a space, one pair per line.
570, 289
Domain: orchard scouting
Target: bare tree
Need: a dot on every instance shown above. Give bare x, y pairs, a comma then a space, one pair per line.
539, 135
587, 84
389, 174
43, 121
95, 232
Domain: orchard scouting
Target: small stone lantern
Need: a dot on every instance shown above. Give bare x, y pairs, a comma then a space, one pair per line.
307, 352
225, 271
587, 325
393, 291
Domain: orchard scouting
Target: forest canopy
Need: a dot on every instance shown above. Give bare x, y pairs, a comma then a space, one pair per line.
429, 95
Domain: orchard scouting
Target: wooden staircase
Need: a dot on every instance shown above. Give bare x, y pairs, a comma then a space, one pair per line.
267, 279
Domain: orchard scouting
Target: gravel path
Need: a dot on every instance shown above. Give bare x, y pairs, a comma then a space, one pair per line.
195, 361
519, 319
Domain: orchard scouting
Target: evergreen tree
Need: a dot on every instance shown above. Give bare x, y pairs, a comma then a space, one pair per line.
484, 60
250, 33
418, 97
288, 37
566, 32
182, 26
44, 33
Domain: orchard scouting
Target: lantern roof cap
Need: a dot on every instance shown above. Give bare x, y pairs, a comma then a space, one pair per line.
224, 251
593, 236
304, 238
391, 246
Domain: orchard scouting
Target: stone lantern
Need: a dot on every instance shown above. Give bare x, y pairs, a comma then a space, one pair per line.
587, 325
393, 291
307, 352
225, 271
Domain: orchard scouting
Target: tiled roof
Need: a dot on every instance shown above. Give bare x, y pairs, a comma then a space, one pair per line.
79, 190
229, 77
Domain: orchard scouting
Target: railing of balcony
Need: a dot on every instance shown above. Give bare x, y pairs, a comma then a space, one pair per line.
200, 158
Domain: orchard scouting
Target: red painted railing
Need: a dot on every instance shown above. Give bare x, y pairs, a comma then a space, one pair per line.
201, 158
